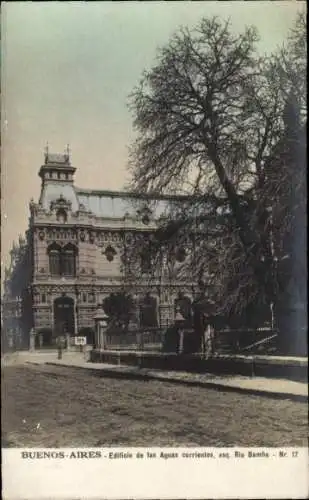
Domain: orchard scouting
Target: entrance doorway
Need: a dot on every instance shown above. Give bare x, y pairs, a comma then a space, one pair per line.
64, 316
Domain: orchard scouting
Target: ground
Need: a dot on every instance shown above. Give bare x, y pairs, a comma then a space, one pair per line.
52, 406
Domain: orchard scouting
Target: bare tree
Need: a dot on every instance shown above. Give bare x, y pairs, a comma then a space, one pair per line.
209, 115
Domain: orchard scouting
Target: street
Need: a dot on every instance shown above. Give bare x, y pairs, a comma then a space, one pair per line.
52, 406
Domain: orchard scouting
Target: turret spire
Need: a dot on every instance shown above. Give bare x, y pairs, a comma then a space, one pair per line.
46, 150
67, 152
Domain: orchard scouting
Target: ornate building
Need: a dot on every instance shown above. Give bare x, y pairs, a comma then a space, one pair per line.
74, 256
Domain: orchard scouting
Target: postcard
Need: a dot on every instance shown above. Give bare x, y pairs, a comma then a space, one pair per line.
154, 295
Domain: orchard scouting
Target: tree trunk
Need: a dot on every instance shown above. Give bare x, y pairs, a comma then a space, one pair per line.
291, 322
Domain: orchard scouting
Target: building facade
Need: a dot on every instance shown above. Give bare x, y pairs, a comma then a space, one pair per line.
74, 256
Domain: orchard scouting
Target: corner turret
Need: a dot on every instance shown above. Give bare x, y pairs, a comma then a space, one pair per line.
57, 167
57, 174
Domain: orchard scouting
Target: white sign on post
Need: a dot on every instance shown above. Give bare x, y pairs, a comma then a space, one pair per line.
80, 340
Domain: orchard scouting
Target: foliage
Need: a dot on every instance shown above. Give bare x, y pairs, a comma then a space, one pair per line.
119, 307
212, 120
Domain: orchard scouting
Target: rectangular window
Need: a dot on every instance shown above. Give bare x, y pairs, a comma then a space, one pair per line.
43, 300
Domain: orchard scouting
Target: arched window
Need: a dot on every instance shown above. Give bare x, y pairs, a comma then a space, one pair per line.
62, 262
54, 253
68, 261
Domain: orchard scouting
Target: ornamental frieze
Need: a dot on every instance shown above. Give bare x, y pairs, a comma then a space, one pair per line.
60, 289
85, 289
89, 236
83, 236
129, 238
61, 242
92, 237
108, 237
59, 235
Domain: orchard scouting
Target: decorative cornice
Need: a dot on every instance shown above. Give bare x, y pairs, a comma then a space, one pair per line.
132, 195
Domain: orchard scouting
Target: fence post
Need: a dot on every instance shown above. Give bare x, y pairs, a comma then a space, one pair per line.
181, 339
142, 341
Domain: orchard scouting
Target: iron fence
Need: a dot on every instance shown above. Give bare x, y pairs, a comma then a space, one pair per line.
243, 340
138, 340
223, 341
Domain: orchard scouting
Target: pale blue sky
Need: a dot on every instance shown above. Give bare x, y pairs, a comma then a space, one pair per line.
67, 69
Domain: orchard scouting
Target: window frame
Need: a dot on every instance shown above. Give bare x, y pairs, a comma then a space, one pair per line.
66, 263
54, 265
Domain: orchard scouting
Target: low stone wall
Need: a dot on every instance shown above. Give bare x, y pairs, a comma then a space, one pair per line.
260, 366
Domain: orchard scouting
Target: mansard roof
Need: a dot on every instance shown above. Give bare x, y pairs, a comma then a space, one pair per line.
112, 204
57, 175
117, 204
107, 204
52, 191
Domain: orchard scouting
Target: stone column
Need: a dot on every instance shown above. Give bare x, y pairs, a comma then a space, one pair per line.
181, 339
179, 322
100, 319
102, 329
40, 340
101, 335
75, 316
97, 334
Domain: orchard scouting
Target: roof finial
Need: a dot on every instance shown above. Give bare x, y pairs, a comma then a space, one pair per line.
46, 151
67, 151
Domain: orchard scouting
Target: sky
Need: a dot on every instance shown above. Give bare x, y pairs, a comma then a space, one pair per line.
67, 70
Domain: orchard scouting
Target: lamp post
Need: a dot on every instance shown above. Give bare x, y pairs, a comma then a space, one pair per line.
32, 340
100, 319
179, 321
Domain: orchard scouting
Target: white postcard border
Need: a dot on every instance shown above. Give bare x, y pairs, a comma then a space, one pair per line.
122, 473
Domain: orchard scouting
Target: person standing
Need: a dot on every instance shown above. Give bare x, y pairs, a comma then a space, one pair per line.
208, 341
60, 345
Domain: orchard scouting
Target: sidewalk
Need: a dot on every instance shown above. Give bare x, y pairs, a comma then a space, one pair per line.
260, 386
